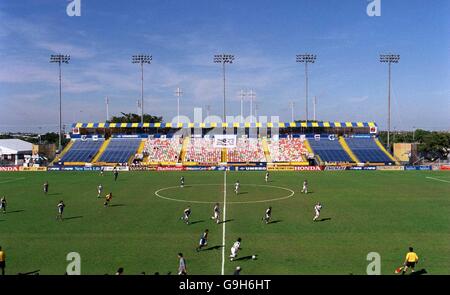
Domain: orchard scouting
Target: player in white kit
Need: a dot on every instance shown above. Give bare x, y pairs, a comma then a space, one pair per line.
216, 213
237, 185
305, 187
99, 190
235, 249
317, 209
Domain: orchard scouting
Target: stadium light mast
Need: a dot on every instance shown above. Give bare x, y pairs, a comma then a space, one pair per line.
224, 59
252, 96
178, 94
60, 59
142, 59
306, 59
314, 107
107, 108
242, 95
389, 59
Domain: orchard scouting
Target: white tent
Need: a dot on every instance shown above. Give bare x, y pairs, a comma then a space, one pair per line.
14, 150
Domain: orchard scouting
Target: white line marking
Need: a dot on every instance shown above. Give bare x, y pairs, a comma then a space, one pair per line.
12, 180
438, 179
224, 219
157, 193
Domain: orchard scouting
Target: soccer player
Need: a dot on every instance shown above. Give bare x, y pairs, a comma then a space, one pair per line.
116, 173
182, 270
216, 213
186, 213
235, 249
267, 177
317, 209
203, 240
182, 181
305, 187
102, 169
2, 261
410, 260
108, 199
99, 190
3, 204
46, 187
237, 185
60, 207
268, 215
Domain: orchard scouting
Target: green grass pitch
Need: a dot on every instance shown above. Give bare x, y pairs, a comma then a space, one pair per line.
369, 211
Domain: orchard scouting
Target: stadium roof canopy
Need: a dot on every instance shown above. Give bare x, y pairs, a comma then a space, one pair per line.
230, 125
14, 147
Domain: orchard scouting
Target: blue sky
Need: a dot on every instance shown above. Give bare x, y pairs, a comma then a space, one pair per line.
265, 35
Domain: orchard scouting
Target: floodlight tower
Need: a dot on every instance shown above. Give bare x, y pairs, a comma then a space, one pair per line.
252, 96
142, 59
242, 95
306, 59
224, 59
178, 94
60, 58
389, 59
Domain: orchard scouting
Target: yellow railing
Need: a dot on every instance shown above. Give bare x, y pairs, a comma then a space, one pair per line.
385, 151
186, 141
348, 150
266, 150
64, 151
101, 150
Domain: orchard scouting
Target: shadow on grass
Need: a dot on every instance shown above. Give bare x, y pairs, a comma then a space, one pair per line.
29, 273
225, 221
16, 211
275, 221
324, 219
72, 217
249, 257
419, 272
117, 205
197, 221
241, 193
213, 248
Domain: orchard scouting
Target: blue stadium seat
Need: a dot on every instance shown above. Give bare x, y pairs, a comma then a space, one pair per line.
367, 150
119, 150
329, 150
82, 151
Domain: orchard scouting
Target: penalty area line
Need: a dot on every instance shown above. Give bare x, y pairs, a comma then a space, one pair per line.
437, 179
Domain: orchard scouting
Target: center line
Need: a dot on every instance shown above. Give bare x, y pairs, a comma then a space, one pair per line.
224, 219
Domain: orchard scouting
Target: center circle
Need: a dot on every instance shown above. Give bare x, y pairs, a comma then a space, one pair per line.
230, 193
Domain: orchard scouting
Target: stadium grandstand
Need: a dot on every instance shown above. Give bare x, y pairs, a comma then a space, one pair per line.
164, 144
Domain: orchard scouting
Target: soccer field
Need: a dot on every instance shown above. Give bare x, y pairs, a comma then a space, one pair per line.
141, 231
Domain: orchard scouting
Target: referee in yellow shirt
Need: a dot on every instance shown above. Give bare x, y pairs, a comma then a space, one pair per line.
410, 260
2, 261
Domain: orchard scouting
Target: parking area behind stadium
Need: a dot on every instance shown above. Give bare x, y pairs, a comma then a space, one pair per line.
363, 212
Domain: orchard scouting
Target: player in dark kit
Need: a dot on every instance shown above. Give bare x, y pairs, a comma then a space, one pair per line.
108, 199
182, 181
116, 174
46, 187
3, 204
203, 240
